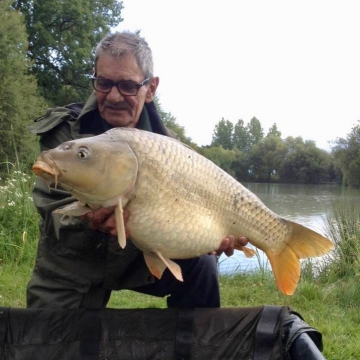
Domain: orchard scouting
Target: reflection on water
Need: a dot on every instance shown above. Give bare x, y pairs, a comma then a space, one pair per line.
307, 205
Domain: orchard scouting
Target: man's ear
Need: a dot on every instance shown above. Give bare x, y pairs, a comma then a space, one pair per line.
153, 84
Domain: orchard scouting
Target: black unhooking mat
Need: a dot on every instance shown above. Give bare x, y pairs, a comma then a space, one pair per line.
259, 333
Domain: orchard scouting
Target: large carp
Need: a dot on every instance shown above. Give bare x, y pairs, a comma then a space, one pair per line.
181, 204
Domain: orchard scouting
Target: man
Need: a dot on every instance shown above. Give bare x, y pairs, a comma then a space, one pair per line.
79, 261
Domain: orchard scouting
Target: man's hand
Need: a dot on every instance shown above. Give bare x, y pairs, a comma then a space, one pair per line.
103, 220
229, 243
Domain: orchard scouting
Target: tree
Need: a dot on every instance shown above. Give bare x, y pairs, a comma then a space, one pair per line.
266, 157
19, 103
223, 134
241, 138
273, 131
255, 131
346, 153
241, 166
305, 163
62, 36
221, 157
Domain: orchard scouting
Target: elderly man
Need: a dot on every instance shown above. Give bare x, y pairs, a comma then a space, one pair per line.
79, 261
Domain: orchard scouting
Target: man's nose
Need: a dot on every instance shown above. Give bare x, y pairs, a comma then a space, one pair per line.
114, 95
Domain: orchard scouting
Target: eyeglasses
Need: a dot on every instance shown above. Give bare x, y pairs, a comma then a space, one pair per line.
125, 87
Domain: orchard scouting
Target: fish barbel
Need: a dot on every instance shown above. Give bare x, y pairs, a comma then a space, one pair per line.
181, 204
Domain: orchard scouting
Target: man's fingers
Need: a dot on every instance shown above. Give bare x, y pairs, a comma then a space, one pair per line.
101, 214
229, 250
88, 216
98, 216
224, 245
104, 220
229, 243
242, 241
227, 246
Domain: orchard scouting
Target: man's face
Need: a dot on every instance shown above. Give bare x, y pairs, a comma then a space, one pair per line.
119, 110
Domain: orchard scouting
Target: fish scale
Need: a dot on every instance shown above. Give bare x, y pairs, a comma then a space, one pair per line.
181, 204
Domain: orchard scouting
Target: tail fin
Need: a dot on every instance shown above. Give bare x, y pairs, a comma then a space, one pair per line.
303, 243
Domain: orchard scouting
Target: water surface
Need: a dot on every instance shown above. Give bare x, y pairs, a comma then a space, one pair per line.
307, 205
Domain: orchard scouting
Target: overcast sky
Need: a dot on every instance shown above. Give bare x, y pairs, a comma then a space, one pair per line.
293, 63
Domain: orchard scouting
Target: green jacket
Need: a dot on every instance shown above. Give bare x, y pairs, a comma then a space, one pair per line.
68, 250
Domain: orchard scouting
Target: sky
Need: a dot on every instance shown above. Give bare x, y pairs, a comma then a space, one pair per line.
293, 63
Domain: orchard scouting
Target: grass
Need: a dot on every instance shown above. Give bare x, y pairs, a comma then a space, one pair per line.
327, 297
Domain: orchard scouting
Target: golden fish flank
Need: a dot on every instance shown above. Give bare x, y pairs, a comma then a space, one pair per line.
181, 204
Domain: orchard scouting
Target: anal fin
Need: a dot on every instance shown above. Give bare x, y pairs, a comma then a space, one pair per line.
157, 264
247, 251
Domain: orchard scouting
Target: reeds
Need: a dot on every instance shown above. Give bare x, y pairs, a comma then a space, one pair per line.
344, 230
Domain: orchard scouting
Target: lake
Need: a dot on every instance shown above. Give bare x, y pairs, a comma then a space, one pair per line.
307, 205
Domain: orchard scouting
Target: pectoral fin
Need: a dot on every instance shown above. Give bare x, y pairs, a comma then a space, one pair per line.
157, 264
120, 226
73, 209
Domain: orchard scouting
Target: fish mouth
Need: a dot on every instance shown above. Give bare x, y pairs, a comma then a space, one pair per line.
46, 168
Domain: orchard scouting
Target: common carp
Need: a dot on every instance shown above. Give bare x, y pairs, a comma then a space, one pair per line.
181, 204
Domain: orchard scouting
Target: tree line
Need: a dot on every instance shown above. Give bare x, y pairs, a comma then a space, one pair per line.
46, 60
247, 153
244, 151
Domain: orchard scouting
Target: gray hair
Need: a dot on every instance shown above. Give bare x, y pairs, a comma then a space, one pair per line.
119, 44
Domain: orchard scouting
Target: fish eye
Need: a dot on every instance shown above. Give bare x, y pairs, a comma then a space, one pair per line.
83, 153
